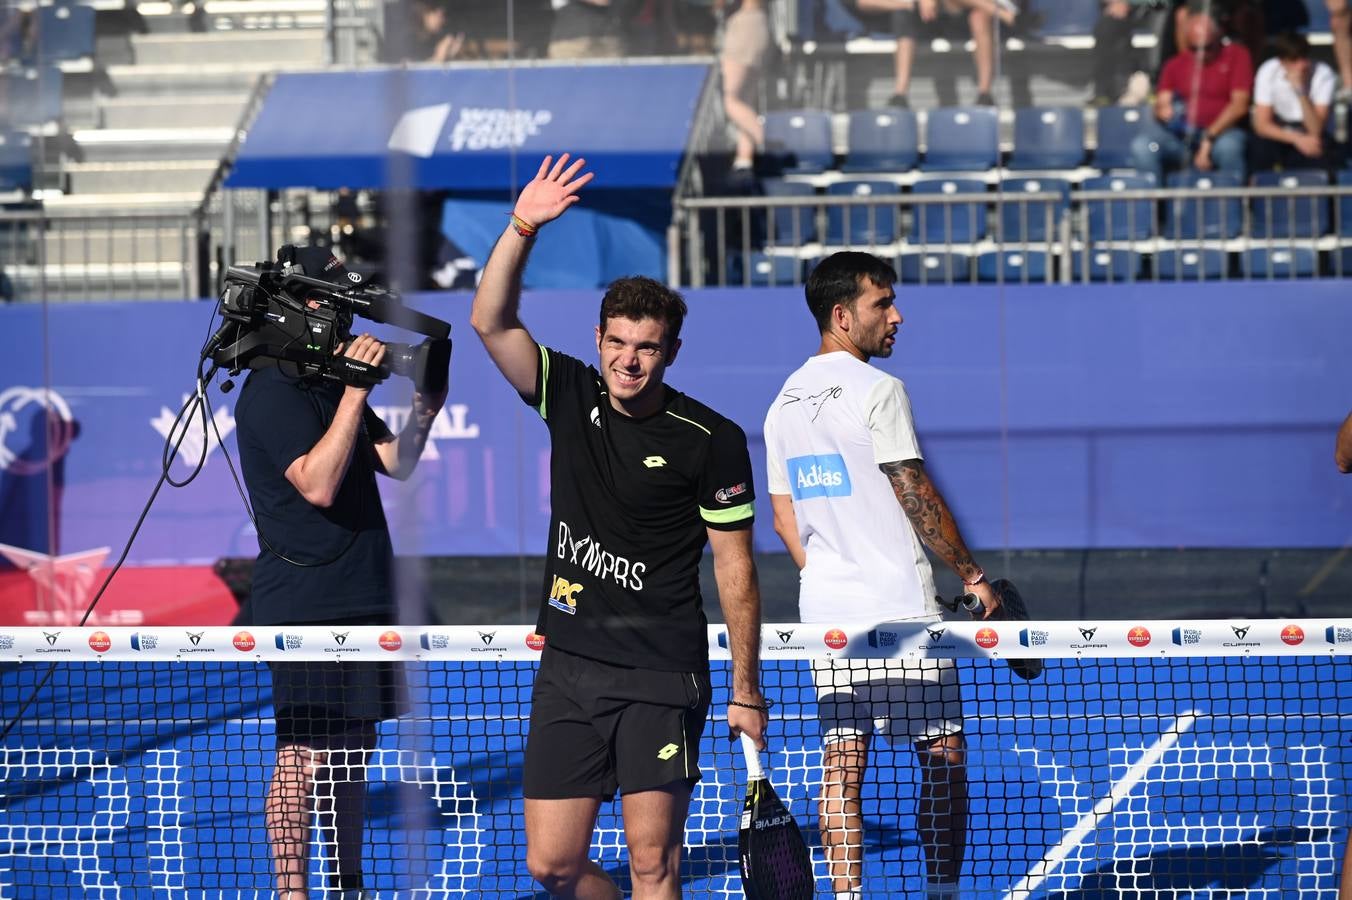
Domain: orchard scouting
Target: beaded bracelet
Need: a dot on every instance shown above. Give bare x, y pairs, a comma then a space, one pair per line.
524, 228
765, 708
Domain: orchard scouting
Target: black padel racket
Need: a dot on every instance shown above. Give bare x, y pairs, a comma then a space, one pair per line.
775, 861
1013, 609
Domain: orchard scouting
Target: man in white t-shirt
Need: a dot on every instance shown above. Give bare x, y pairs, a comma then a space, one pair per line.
1292, 95
855, 510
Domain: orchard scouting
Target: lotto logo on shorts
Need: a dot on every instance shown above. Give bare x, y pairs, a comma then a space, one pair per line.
390, 640
987, 638
836, 639
819, 476
99, 642
563, 595
668, 752
1138, 636
244, 642
535, 641
1293, 635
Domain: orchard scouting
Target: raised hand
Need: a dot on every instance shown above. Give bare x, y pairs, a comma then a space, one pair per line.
552, 191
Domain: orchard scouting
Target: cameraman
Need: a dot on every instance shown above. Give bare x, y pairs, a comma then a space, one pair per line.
310, 449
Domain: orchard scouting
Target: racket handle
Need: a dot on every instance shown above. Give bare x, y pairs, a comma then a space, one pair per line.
753, 763
972, 603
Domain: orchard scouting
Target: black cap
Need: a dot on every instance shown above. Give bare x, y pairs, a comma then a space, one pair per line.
319, 262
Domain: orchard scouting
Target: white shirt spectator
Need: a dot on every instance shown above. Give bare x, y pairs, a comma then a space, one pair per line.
1270, 88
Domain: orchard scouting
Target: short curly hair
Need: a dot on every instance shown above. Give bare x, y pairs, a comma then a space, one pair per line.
638, 297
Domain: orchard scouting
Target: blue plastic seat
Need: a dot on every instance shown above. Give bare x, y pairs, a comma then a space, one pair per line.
1065, 18
1280, 262
65, 33
799, 140
1191, 265
1012, 265
948, 223
764, 270
1199, 217
934, 268
16, 161
1026, 220
1279, 217
1319, 15
861, 225
1119, 220
882, 140
33, 96
1106, 265
782, 231
1345, 205
961, 139
1050, 137
1117, 127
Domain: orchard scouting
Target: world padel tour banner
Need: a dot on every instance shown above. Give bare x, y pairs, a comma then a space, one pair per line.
1123, 416
470, 128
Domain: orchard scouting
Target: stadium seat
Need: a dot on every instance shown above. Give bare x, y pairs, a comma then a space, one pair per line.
1119, 220
961, 139
1280, 217
1191, 265
948, 223
1195, 217
1319, 15
65, 33
1065, 18
16, 161
882, 140
1106, 265
1012, 265
782, 232
934, 268
1049, 137
1117, 127
764, 270
33, 96
799, 140
1279, 262
861, 225
1345, 205
1027, 220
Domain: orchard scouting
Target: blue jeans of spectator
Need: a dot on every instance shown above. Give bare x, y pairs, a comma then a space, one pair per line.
1157, 148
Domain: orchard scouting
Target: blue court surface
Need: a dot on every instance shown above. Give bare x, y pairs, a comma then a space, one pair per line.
1112, 778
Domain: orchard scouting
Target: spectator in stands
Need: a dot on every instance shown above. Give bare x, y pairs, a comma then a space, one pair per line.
1114, 61
746, 45
6, 288
650, 28
1201, 100
432, 39
585, 29
1340, 23
1292, 95
18, 37
911, 16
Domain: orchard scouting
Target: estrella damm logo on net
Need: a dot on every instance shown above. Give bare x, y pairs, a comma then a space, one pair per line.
821, 475
563, 595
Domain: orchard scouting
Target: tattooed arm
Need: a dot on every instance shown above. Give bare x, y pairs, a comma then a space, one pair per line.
932, 520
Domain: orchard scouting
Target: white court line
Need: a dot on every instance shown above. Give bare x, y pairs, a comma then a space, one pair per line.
1053, 858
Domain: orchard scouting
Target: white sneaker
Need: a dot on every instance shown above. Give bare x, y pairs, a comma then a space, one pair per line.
1138, 90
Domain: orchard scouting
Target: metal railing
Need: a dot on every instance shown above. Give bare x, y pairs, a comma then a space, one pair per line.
1024, 237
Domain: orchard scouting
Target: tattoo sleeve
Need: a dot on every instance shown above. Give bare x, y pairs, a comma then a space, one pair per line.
929, 515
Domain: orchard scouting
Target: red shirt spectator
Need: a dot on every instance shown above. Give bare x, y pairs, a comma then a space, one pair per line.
1226, 68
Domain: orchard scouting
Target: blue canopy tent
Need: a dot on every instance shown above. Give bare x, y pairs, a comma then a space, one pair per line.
480, 133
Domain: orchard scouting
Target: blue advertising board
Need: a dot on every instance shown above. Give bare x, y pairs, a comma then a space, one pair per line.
1123, 416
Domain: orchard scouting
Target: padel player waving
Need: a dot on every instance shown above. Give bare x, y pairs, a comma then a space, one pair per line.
642, 477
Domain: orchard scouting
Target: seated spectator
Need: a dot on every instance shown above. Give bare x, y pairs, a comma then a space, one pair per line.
746, 45
585, 29
1114, 57
908, 18
1200, 101
1292, 95
650, 28
432, 38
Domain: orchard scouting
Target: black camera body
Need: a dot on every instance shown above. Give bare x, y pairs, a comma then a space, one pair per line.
274, 312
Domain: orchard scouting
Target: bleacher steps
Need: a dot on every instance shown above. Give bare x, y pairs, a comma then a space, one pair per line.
172, 112
177, 175
293, 46
189, 81
142, 144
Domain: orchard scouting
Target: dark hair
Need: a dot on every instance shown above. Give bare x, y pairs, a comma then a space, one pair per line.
638, 298
1290, 45
838, 281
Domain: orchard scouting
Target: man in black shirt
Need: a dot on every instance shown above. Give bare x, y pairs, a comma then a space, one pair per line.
641, 477
310, 449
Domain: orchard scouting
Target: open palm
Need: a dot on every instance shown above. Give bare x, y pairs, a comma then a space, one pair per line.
552, 191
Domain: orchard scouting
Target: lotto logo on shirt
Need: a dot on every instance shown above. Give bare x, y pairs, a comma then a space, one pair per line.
819, 476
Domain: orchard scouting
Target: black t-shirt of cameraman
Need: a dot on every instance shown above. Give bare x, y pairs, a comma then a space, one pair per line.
310, 449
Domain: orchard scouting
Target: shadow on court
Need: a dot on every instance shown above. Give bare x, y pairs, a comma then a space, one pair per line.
1182, 871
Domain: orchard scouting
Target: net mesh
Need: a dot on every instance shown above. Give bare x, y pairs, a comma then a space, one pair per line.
1163, 774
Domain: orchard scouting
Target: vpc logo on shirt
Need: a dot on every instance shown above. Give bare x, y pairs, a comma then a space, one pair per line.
819, 476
